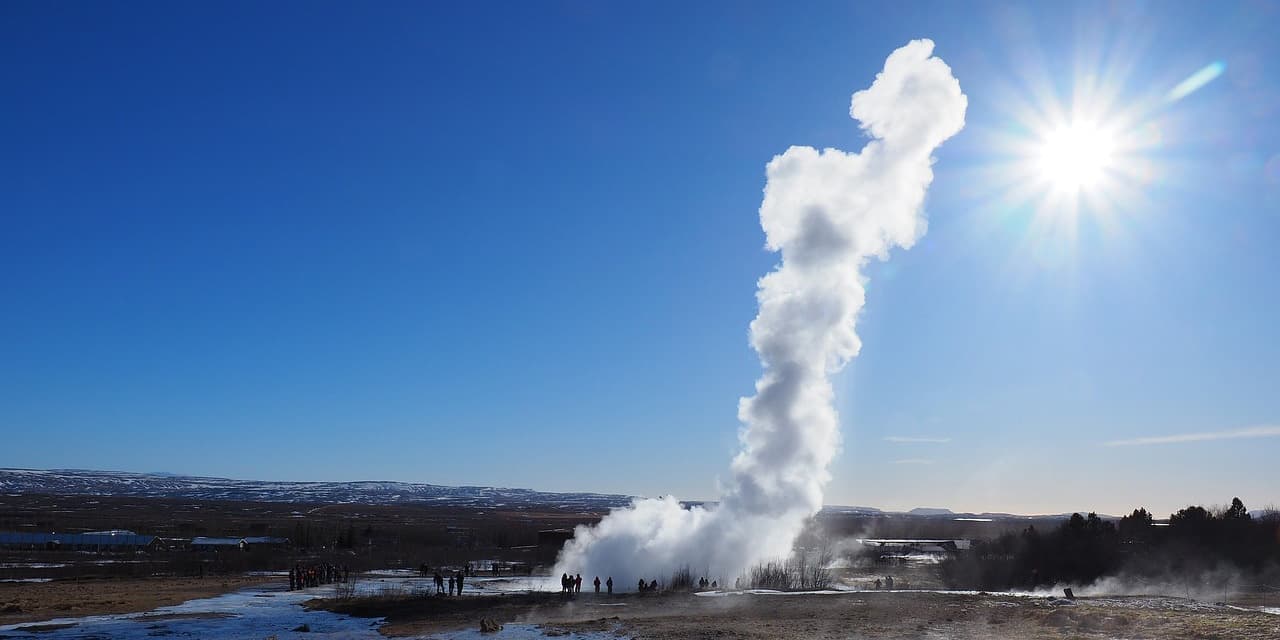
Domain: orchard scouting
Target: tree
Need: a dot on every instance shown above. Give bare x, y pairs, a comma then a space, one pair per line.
1236, 511
1137, 526
1077, 523
1194, 525
1193, 516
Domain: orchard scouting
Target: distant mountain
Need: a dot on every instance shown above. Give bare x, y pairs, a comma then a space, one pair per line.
75, 482
859, 511
930, 511
154, 485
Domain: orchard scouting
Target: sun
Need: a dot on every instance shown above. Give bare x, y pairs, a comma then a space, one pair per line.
1075, 157
1082, 149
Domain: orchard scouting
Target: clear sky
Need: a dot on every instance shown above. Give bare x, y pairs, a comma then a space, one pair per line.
517, 244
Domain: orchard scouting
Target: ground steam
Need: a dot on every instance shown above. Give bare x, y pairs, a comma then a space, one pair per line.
827, 212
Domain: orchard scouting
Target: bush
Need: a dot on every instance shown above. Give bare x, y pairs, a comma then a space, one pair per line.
769, 575
810, 570
681, 579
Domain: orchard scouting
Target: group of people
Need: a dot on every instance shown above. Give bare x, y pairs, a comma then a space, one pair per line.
455, 581
704, 583
650, 586
573, 584
316, 575
888, 582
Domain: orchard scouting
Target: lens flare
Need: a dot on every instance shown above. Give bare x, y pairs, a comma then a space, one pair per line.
1075, 157
1196, 80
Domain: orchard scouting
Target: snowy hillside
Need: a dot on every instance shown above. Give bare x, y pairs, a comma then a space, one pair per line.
119, 483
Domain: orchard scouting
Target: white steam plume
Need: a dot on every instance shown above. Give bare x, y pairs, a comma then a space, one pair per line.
827, 212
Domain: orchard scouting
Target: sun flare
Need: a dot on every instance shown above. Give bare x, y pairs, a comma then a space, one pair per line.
1075, 157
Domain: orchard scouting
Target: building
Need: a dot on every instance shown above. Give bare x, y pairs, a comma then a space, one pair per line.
117, 540
266, 542
176, 544
218, 544
554, 537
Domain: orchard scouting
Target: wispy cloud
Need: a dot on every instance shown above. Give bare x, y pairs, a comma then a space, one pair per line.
915, 439
1269, 431
913, 461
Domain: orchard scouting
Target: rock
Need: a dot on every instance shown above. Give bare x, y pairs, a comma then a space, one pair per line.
1069, 594
303, 628
489, 626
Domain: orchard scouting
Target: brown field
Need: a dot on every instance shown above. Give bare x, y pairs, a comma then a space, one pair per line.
29, 602
358, 536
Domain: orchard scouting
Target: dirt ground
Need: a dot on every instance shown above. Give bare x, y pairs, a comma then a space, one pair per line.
819, 617
31, 602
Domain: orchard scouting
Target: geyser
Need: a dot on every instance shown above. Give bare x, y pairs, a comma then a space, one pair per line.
827, 212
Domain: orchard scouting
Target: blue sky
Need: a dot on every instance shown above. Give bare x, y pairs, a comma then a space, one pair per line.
517, 244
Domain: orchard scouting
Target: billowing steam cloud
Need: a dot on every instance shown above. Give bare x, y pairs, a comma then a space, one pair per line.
827, 212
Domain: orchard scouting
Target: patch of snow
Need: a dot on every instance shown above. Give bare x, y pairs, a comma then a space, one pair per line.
517, 584
391, 573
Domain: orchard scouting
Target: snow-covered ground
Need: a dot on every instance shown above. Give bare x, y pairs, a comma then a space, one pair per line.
121, 483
